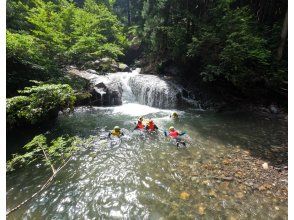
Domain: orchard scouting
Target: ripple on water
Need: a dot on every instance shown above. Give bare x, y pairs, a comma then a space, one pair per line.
145, 176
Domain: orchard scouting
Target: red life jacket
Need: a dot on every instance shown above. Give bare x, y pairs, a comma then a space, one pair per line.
140, 125
173, 134
151, 127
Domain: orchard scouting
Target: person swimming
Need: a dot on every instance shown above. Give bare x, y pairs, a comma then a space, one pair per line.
174, 134
174, 115
151, 126
140, 125
116, 132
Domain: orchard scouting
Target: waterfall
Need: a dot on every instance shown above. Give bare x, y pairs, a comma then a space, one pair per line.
124, 77
154, 91
150, 90
131, 87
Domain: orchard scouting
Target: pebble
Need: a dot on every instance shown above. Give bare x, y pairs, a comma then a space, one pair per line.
265, 166
277, 208
193, 178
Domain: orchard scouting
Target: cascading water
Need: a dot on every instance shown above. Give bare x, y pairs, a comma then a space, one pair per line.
153, 91
148, 90
124, 78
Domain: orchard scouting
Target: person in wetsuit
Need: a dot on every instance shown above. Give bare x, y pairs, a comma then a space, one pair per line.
140, 125
151, 126
174, 134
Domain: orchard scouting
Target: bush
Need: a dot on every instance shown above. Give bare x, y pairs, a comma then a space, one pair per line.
37, 103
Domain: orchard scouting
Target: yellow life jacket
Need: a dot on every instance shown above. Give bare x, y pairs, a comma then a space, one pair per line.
115, 133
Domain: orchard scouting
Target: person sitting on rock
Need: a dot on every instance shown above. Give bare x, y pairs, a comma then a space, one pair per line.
151, 126
174, 134
116, 132
140, 125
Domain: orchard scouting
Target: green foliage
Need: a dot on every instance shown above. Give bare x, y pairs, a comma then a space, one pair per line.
43, 36
37, 149
39, 103
26, 49
96, 33
16, 12
26, 59
244, 58
224, 40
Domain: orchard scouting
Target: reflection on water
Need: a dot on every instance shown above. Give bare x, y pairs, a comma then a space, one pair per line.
144, 177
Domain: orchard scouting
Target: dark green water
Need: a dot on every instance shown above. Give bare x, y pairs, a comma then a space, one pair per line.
145, 176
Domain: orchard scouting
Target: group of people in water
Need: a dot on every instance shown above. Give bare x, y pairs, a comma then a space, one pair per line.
149, 125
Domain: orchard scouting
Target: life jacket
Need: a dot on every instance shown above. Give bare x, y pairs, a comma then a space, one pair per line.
151, 127
173, 134
115, 133
140, 125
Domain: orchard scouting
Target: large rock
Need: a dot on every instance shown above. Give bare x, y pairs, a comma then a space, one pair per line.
105, 90
106, 65
91, 71
123, 67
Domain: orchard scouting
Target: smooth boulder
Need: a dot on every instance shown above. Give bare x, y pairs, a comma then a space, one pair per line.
105, 90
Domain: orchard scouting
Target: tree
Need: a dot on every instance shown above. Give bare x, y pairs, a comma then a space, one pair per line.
43, 36
283, 37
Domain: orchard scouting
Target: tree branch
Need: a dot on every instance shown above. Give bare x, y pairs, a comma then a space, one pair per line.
52, 167
47, 183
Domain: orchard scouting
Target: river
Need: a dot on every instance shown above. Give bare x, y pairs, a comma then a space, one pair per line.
147, 177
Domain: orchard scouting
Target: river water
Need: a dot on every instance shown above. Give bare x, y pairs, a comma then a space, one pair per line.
147, 177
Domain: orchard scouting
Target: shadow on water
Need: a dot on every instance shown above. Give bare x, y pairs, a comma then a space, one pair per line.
266, 139
17, 138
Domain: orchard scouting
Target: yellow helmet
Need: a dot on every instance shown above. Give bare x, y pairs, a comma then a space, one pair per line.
175, 115
171, 128
117, 128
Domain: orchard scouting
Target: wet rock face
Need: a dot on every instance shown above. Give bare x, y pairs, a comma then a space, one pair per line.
105, 90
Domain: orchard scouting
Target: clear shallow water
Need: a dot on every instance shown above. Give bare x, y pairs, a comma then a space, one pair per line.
144, 177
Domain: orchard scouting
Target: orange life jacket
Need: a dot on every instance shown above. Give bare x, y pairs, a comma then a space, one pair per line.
140, 125
173, 134
151, 127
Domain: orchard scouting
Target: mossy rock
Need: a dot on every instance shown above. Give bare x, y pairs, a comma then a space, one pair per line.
123, 67
83, 98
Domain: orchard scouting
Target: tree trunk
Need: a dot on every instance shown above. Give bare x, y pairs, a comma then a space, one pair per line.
129, 13
284, 34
